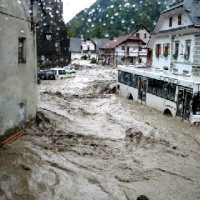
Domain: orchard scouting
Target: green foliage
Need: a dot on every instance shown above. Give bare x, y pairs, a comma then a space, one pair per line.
114, 18
84, 57
93, 60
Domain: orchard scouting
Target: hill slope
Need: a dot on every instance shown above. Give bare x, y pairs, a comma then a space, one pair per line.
111, 18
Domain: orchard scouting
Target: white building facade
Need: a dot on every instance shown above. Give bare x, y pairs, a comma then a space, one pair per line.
175, 39
127, 49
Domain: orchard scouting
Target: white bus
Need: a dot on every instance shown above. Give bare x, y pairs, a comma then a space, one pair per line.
176, 95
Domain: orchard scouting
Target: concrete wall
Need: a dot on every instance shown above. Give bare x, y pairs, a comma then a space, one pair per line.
18, 81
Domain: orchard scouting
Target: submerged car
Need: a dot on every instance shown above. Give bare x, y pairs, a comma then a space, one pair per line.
69, 69
46, 75
60, 73
41, 74
49, 75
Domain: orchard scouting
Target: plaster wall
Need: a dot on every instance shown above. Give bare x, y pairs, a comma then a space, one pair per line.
161, 60
182, 64
144, 35
87, 44
163, 22
18, 81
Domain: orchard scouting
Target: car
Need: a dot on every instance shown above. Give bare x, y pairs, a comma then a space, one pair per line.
49, 75
69, 69
41, 74
60, 73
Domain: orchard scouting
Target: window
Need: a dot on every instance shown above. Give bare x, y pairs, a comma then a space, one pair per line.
120, 76
172, 92
162, 89
21, 50
166, 48
158, 50
170, 21
128, 78
88, 47
176, 50
137, 35
134, 81
196, 104
179, 19
145, 35
123, 48
152, 85
187, 49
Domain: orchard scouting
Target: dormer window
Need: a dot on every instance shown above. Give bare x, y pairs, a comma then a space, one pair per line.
170, 21
179, 19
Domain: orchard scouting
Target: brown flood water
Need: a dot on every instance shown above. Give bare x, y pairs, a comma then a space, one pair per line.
89, 143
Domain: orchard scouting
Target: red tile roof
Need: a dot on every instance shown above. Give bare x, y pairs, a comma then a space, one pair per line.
113, 43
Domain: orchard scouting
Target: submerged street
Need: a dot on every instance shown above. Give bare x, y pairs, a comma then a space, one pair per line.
90, 143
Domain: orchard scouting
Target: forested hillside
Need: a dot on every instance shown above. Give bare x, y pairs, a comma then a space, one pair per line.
111, 18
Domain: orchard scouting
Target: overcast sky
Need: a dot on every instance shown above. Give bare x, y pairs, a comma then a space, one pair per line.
72, 7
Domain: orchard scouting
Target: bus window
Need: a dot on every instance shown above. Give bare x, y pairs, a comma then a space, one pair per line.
127, 78
196, 104
165, 90
134, 81
120, 76
172, 92
152, 85
160, 89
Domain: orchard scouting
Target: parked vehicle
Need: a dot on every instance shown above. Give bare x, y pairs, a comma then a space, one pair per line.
49, 75
69, 69
41, 74
46, 75
60, 73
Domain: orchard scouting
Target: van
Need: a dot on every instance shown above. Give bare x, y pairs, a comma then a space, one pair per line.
60, 73
69, 69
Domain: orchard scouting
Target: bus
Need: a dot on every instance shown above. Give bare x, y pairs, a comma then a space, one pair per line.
175, 95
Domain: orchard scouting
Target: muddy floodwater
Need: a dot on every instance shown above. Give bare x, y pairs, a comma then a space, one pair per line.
91, 144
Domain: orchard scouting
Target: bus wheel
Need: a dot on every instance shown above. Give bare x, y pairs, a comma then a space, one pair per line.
130, 97
167, 112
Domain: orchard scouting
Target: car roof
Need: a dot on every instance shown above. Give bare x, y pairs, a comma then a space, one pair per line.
57, 69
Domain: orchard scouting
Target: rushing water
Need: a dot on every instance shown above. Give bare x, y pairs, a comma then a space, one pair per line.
89, 143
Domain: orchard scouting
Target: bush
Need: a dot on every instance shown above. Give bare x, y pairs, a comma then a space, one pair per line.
93, 60
84, 57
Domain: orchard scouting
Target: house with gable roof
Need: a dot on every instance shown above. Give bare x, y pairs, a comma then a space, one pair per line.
142, 33
88, 47
127, 49
175, 40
